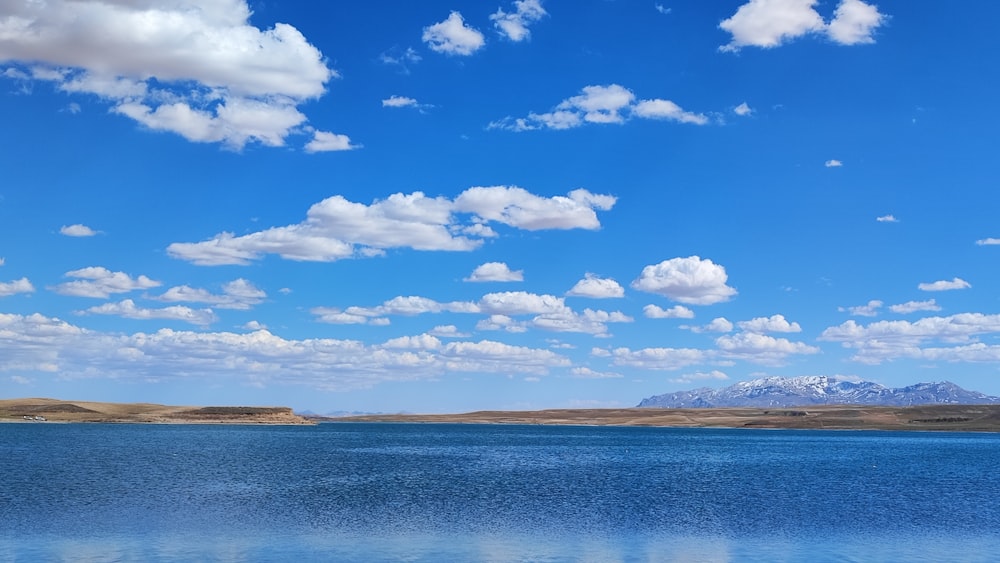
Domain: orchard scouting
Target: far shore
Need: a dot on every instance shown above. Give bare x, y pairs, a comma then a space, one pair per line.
965, 418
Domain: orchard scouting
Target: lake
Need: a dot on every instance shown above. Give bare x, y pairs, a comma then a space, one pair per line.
441, 492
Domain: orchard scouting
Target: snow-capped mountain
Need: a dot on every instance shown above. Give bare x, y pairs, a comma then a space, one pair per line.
818, 390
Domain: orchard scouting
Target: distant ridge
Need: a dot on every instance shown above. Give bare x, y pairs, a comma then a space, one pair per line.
818, 390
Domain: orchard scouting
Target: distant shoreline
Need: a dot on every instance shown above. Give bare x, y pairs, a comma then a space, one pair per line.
44, 411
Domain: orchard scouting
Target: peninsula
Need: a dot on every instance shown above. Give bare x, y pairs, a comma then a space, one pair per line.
54, 410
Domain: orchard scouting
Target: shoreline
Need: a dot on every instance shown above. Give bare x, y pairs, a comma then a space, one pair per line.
45, 411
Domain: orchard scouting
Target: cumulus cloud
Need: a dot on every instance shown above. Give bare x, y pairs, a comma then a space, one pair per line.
39, 344
675, 312
206, 74
495, 272
336, 228
324, 141
659, 358
587, 373
447, 331
774, 323
398, 102
551, 313
770, 23
691, 280
600, 104
914, 306
944, 285
868, 310
887, 219
453, 37
514, 25
100, 283
77, 230
761, 348
129, 310
742, 110
17, 286
237, 294
988, 241
888, 340
833, 163
596, 288
718, 324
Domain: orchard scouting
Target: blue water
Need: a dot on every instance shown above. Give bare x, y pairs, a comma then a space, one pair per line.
412, 492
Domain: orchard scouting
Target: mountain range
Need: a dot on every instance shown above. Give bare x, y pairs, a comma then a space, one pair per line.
818, 390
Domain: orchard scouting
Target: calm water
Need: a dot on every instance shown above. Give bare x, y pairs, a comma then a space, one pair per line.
398, 492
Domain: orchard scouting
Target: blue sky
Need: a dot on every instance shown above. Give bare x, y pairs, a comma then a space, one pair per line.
450, 206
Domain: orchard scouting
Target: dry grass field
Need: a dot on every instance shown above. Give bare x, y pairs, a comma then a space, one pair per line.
54, 410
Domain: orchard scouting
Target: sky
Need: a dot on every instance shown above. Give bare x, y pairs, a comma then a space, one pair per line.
396, 206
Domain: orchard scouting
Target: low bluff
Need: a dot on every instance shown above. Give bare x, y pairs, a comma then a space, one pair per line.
55, 410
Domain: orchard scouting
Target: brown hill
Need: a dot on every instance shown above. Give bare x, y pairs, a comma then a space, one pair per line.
55, 410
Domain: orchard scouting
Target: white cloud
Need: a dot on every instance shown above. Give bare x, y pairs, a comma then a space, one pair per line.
690, 280
17, 286
587, 373
854, 23
254, 325
237, 294
742, 110
128, 309
400, 305
868, 310
662, 9
597, 288
774, 323
77, 231
945, 285
887, 219
551, 313
447, 331
453, 37
399, 102
770, 23
675, 312
401, 58
514, 26
45, 345
914, 306
501, 322
599, 104
324, 141
718, 324
100, 283
521, 303
204, 73
495, 272
714, 375
981, 242
888, 340
665, 109
761, 348
336, 228
833, 163
659, 358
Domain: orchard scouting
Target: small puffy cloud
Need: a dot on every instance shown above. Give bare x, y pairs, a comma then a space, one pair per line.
254, 325
691, 280
336, 228
521, 303
237, 294
662, 9
714, 375
596, 288
742, 110
675, 312
453, 37
206, 74
887, 219
495, 272
17, 286
324, 141
868, 310
100, 283
501, 322
718, 324
833, 163
761, 348
770, 23
854, 22
981, 242
77, 230
914, 306
659, 358
447, 331
2, 261
400, 102
129, 310
587, 373
514, 25
774, 323
944, 285
600, 104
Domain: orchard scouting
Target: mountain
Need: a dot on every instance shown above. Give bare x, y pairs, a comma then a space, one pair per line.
818, 390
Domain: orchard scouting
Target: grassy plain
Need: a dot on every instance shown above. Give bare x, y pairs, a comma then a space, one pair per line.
55, 410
